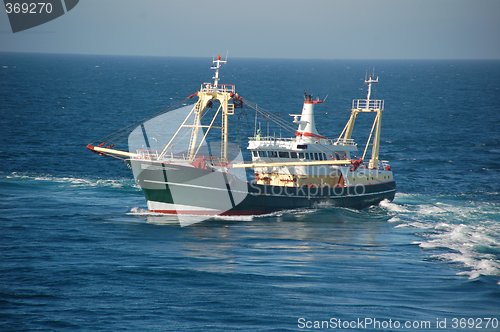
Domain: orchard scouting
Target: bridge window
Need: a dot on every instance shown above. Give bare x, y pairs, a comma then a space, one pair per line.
262, 154
293, 155
254, 153
273, 154
284, 154
316, 157
301, 155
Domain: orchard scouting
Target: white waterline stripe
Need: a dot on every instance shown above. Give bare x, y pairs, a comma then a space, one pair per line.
155, 205
194, 186
245, 192
347, 196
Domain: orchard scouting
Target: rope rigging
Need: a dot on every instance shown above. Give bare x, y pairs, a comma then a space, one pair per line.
279, 121
270, 116
110, 139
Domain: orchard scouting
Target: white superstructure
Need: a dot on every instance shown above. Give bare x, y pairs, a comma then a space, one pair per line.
312, 159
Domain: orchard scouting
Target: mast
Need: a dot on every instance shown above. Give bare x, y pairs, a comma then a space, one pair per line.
367, 105
374, 106
217, 66
208, 93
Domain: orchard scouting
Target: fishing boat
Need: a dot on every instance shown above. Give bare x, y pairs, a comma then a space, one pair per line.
186, 163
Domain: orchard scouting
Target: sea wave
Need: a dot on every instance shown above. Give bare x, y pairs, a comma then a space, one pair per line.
137, 211
154, 217
393, 207
460, 231
473, 246
73, 181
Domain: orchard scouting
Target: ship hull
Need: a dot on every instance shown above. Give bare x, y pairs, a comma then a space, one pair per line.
178, 189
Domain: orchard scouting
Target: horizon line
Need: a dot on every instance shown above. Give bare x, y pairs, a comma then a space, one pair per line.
247, 57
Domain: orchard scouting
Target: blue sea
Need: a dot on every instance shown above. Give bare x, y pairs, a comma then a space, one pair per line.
78, 250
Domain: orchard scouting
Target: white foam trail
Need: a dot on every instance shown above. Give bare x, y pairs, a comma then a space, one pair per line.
75, 182
392, 207
234, 218
464, 232
403, 195
465, 240
427, 210
413, 224
394, 219
154, 217
137, 211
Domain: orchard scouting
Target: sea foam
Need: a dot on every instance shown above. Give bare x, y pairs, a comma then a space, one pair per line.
464, 233
73, 181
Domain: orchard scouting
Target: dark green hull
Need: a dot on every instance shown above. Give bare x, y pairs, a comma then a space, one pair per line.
198, 191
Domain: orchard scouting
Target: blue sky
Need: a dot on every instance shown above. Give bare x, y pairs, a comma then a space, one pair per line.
327, 29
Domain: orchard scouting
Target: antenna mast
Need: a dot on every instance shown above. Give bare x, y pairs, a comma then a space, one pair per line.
370, 81
217, 64
367, 105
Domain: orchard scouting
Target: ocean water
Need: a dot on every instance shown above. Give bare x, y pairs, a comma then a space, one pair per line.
78, 250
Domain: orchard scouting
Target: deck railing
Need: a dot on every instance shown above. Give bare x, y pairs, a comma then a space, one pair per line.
271, 139
343, 141
143, 154
276, 140
375, 104
147, 154
209, 87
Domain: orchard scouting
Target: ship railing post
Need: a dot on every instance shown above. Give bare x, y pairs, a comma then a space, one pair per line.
203, 99
224, 105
